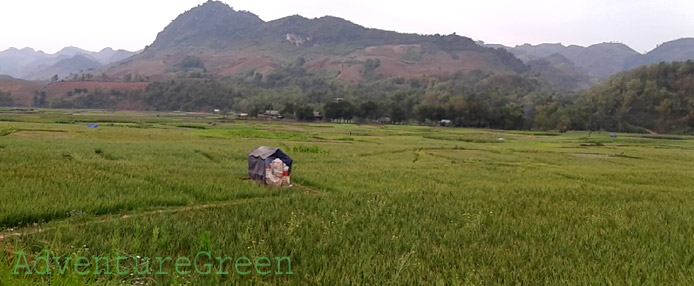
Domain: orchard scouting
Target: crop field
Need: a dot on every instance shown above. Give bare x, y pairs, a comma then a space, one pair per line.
394, 205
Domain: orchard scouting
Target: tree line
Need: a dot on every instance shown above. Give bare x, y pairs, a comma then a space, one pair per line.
6, 98
658, 98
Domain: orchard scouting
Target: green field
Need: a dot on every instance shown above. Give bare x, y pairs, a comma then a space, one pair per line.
397, 205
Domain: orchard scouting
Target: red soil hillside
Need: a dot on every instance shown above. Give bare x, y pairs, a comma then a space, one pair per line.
22, 90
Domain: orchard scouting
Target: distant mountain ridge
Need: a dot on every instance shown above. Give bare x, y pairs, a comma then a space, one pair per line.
30, 64
607, 59
673, 51
561, 73
221, 42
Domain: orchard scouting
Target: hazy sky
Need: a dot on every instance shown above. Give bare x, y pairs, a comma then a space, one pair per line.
50, 25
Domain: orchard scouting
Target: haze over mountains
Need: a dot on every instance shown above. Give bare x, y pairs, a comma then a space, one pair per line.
30, 64
607, 59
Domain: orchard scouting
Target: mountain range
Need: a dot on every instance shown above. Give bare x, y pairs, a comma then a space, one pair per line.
213, 40
604, 60
30, 64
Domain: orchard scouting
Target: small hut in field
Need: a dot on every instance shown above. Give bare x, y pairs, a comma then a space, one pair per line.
270, 166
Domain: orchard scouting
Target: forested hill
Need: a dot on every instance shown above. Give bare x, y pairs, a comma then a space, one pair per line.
658, 97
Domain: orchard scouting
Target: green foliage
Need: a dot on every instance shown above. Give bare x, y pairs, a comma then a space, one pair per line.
534, 133
425, 112
191, 62
463, 139
189, 95
552, 117
207, 155
413, 54
108, 156
369, 110
5, 132
300, 61
309, 149
39, 99
657, 97
6, 99
305, 113
192, 126
397, 114
135, 78
286, 76
340, 110
245, 132
289, 110
370, 67
96, 99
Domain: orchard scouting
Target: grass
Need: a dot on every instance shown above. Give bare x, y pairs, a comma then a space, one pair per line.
247, 132
534, 133
8, 131
465, 139
191, 126
395, 205
305, 149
